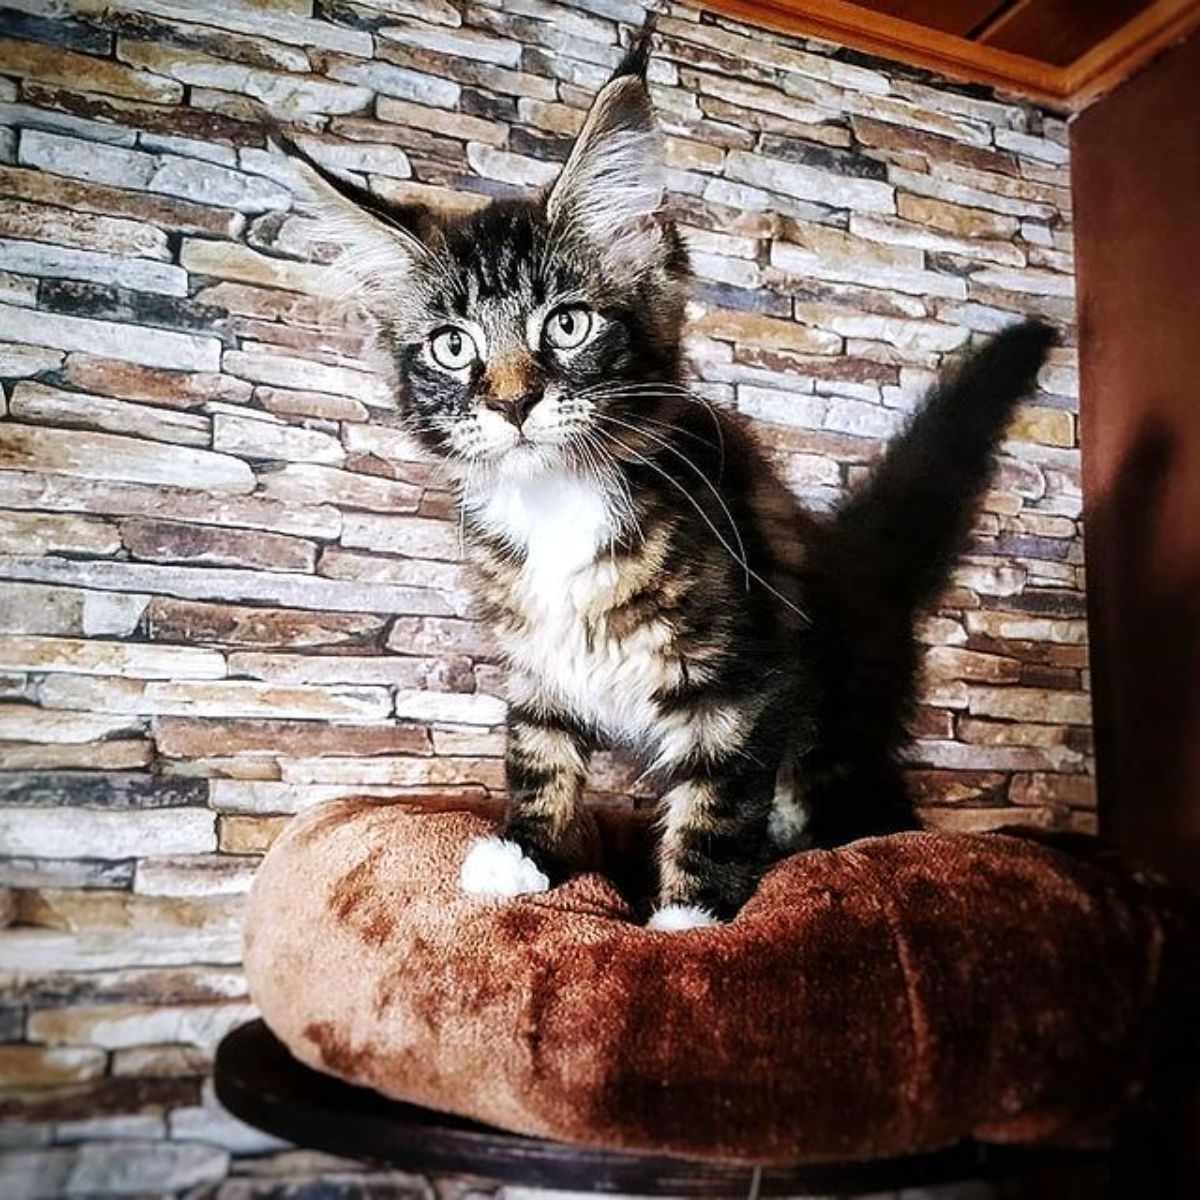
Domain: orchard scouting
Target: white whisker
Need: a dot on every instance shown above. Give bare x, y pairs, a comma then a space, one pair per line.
708, 521
703, 478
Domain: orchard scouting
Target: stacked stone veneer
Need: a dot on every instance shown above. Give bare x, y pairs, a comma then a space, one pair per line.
227, 588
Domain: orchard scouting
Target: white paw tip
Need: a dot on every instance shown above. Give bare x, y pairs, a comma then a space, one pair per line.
675, 917
495, 867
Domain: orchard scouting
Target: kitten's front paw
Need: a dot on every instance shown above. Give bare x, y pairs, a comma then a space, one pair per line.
496, 867
675, 917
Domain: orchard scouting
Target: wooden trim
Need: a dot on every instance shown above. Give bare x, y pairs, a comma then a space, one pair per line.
904, 41
1131, 47
1065, 89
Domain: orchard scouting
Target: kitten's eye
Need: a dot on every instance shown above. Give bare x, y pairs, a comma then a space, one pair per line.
567, 328
453, 348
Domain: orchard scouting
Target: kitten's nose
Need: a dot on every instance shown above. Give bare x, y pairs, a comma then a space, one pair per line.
513, 408
511, 387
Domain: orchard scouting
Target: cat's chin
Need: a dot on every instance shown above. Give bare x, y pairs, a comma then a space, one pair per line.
526, 460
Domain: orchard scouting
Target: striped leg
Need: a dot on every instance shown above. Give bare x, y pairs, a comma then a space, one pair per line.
715, 843
546, 766
717, 813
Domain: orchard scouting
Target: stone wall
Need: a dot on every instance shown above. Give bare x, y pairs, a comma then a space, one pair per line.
228, 590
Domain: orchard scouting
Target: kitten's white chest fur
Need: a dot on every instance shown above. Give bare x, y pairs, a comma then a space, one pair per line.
558, 519
562, 523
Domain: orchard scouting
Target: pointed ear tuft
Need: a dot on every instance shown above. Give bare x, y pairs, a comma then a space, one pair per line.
637, 57
611, 190
381, 246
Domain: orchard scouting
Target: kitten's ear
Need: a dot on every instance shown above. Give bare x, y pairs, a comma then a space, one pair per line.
381, 244
611, 190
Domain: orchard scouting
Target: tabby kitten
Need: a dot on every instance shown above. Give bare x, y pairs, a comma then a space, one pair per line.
651, 582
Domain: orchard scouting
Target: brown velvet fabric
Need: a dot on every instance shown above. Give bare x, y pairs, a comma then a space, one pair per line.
895, 995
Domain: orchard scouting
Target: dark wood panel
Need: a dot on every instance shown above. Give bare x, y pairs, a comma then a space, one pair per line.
1136, 176
950, 16
1059, 31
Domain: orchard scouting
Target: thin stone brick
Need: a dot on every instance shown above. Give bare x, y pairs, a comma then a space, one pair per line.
400, 82
225, 697
285, 371
204, 182
116, 235
173, 541
118, 202
64, 262
52, 533
251, 438
85, 160
107, 456
287, 95
151, 348
370, 566
65, 832
180, 737
228, 583
28, 489
86, 72
151, 385
280, 25
34, 402
244, 625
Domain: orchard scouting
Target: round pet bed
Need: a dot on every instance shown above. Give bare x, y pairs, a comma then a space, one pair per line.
894, 996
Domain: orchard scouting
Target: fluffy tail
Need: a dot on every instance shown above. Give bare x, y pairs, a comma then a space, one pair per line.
889, 552
913, 515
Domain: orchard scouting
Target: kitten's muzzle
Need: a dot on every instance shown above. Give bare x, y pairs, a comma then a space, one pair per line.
512, 387
513, 408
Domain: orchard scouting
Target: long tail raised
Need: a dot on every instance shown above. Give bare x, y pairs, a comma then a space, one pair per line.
888, 552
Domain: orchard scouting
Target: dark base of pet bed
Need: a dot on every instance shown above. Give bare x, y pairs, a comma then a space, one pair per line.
260, 1082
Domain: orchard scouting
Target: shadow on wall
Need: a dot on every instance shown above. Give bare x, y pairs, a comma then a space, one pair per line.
1147, 702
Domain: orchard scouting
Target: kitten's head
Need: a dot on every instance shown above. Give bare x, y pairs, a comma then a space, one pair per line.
518, 331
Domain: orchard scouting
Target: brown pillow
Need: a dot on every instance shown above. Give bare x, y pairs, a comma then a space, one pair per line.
895, 995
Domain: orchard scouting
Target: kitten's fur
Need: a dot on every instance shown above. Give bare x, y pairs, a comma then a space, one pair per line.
651, 581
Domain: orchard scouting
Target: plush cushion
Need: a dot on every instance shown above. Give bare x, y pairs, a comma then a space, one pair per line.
895, 995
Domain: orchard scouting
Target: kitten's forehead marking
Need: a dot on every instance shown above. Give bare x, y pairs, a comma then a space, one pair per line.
497, 252
509, 317
504, 319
